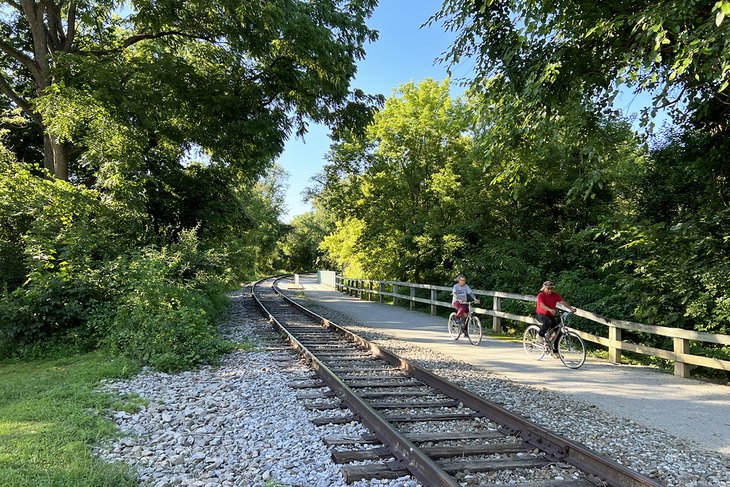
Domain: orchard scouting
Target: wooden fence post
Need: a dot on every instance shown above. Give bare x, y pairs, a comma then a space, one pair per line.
614, 349
496, 320
381, 288
433, 298
413, 295
681, 345
395, 292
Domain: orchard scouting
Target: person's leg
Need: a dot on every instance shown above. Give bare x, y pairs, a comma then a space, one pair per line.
463, 310
458, 308
556, 342
546, 323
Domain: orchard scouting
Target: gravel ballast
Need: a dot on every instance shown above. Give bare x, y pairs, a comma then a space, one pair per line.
671, 460
235, 424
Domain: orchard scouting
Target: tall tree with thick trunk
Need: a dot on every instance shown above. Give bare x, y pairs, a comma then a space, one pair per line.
292, 60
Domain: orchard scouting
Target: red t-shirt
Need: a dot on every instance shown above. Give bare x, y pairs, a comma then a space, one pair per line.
549, 300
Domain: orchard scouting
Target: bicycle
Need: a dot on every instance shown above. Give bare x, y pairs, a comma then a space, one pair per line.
471, 326
571, 349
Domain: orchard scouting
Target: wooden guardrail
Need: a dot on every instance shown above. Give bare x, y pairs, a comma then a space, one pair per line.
680, 355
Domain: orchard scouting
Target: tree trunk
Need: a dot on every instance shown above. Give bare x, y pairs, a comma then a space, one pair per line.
60, 159
55, 154
48, 153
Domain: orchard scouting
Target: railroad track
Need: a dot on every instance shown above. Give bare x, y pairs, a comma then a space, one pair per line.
435, 430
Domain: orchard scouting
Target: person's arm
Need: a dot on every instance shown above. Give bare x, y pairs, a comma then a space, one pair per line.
473, 296
565, 303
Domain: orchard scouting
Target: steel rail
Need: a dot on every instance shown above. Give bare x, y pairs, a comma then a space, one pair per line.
415, 460
578, 455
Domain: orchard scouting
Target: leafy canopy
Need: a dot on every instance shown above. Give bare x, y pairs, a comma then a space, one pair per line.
556, 50
129, 82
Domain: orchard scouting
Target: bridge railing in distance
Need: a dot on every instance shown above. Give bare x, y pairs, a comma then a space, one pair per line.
327, 278
680, 355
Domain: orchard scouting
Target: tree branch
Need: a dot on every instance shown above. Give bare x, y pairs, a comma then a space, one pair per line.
132, 40
55, 29
71, 27
14, 4
24, 59
8, 91
165, 33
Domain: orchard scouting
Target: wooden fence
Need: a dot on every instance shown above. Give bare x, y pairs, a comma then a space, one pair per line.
683, 359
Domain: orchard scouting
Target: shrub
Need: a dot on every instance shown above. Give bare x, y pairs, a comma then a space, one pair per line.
81, 276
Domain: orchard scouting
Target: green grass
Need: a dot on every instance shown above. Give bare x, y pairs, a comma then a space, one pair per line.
50, 418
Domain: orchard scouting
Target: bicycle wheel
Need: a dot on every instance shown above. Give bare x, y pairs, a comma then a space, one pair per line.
475, 330
533, 343
454, 328
572, 351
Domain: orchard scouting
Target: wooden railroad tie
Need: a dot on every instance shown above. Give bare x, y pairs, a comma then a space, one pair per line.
432, 451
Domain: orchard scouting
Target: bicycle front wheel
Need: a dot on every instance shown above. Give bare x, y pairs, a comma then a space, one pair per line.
572, 351
533, 343
475, 330
454, 328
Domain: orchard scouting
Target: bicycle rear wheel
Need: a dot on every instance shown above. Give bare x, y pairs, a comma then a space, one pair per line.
533, 343
474, 329
454, 328
572, 351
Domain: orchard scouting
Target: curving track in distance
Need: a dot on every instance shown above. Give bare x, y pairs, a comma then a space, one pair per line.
434, 428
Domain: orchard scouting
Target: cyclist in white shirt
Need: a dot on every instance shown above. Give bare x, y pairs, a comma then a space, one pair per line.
459, 294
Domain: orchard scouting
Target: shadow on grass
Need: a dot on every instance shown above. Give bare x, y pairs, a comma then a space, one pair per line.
51, 416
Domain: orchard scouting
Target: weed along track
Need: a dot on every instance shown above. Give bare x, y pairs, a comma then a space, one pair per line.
419, 423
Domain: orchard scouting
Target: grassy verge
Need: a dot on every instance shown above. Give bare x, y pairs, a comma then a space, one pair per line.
50, 418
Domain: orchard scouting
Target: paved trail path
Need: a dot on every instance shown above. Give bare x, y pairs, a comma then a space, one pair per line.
689, 409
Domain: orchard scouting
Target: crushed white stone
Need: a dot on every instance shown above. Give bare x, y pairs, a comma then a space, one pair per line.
234, 424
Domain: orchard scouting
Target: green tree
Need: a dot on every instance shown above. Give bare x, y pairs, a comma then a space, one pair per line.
555, 51
298, 248
405, 172
234, 78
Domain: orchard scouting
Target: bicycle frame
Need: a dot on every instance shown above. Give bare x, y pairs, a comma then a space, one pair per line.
562, 328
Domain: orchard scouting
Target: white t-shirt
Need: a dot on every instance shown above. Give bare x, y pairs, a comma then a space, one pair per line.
461, 292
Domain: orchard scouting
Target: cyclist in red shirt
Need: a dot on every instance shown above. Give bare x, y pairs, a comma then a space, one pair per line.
547, 300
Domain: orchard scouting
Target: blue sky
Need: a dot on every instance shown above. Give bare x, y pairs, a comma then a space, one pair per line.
404, 52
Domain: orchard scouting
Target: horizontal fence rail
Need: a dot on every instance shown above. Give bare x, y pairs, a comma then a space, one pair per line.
680, 355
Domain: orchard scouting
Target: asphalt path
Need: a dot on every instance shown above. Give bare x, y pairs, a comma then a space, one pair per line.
690, 409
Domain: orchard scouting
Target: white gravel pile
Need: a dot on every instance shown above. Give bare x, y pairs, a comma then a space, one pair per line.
236, 424
671, 460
